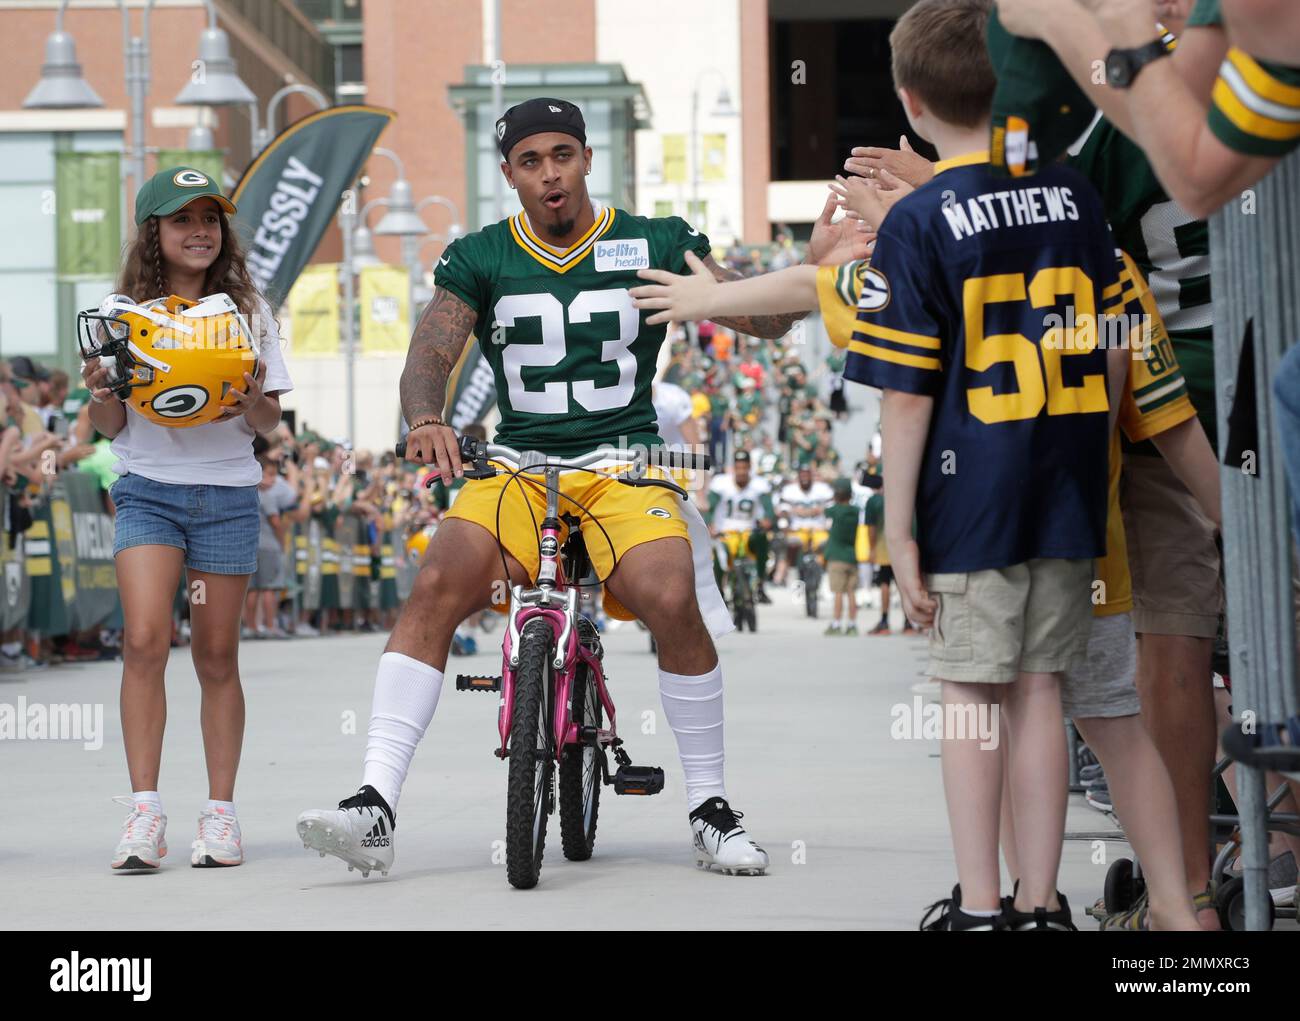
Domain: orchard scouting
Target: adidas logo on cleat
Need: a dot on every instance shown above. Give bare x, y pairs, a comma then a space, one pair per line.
378, 836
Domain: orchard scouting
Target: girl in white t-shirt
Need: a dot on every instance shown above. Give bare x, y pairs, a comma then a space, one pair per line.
186, 498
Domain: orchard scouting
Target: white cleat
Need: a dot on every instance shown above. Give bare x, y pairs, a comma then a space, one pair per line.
219, 844
359, 832
143, 843
722, 842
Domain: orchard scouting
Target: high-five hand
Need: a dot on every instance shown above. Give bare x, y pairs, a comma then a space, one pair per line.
835, 243
680, 298
872, 162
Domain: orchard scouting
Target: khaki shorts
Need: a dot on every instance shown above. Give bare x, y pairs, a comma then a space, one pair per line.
1171, 553
843, 577
1105, 685
993, 625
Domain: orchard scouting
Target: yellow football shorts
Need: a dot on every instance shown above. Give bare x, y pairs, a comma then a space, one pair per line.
818, 537
737, 543
630, 515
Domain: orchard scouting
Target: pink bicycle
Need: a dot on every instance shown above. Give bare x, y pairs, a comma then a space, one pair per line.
554, 698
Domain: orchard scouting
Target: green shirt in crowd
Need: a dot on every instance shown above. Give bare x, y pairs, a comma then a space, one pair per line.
842, 542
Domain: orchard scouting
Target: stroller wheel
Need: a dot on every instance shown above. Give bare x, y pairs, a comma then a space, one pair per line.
1123, 886
1230, 900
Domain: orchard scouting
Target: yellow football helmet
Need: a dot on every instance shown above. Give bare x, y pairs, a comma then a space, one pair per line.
172, 360
419, 542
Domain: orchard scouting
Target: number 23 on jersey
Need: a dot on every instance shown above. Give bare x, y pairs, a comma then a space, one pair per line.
553, 397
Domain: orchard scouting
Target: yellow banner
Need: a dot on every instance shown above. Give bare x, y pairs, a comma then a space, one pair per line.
713, 158
314, 311
674, 159
385, 309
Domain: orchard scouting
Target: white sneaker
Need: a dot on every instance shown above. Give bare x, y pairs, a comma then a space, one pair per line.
143, 844
219, 843
720, 840
305, 630
360, 832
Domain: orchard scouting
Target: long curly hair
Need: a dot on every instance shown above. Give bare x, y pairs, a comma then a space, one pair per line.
144, 271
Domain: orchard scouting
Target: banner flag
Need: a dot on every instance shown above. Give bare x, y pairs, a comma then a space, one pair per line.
88, 207
288, 196
314, 311
385, 309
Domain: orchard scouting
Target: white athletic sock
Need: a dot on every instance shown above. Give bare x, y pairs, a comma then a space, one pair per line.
982, 913
406, 694
693, 706
148, 797
225, 806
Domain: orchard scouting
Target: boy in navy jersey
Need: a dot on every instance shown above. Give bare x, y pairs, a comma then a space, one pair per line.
979, 318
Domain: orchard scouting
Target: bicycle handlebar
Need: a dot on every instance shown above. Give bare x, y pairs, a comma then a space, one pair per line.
476, 450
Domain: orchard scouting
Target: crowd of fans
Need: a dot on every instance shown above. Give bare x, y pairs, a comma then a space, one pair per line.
306, 478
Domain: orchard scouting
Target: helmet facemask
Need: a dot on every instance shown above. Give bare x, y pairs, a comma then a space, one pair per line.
103, 335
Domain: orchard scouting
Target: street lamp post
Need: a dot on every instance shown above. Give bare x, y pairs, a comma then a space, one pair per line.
62, 86
215, 81
262, 136
347, 223
723, 108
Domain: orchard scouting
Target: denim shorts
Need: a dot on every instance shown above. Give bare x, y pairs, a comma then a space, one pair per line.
216, 526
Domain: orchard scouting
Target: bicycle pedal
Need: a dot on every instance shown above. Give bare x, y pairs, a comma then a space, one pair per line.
642, 780
469, 682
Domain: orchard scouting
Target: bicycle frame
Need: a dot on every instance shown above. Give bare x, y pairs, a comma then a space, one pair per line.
555, 601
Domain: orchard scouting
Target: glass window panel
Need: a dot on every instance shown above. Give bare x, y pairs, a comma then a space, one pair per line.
27, 241
26, 156
29, 325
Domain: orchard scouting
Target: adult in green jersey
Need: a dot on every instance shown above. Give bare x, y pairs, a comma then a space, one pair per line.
546, 294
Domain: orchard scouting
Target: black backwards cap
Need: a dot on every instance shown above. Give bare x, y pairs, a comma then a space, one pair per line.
534, 116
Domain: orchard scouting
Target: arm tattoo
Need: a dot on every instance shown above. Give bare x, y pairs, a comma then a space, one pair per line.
436, 345
768, 327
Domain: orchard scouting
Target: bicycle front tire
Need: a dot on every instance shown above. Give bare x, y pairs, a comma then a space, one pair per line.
530, 787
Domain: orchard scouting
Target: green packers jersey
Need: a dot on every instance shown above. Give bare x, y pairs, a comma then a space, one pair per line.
1170, 247
572, 358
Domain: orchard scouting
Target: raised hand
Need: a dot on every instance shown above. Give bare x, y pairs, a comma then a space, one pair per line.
903, 163
680, 298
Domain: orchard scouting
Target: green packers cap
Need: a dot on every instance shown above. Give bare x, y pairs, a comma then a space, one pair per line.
1038, 110
172, 189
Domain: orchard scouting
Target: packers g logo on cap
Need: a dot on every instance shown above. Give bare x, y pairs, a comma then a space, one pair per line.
874, 294
190, 179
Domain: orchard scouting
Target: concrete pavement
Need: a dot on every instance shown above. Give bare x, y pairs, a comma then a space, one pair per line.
852, 818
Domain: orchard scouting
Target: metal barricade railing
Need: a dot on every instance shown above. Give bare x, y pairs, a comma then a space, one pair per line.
1255, 251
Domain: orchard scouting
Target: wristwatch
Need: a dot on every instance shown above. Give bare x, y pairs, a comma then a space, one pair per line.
1122, 66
